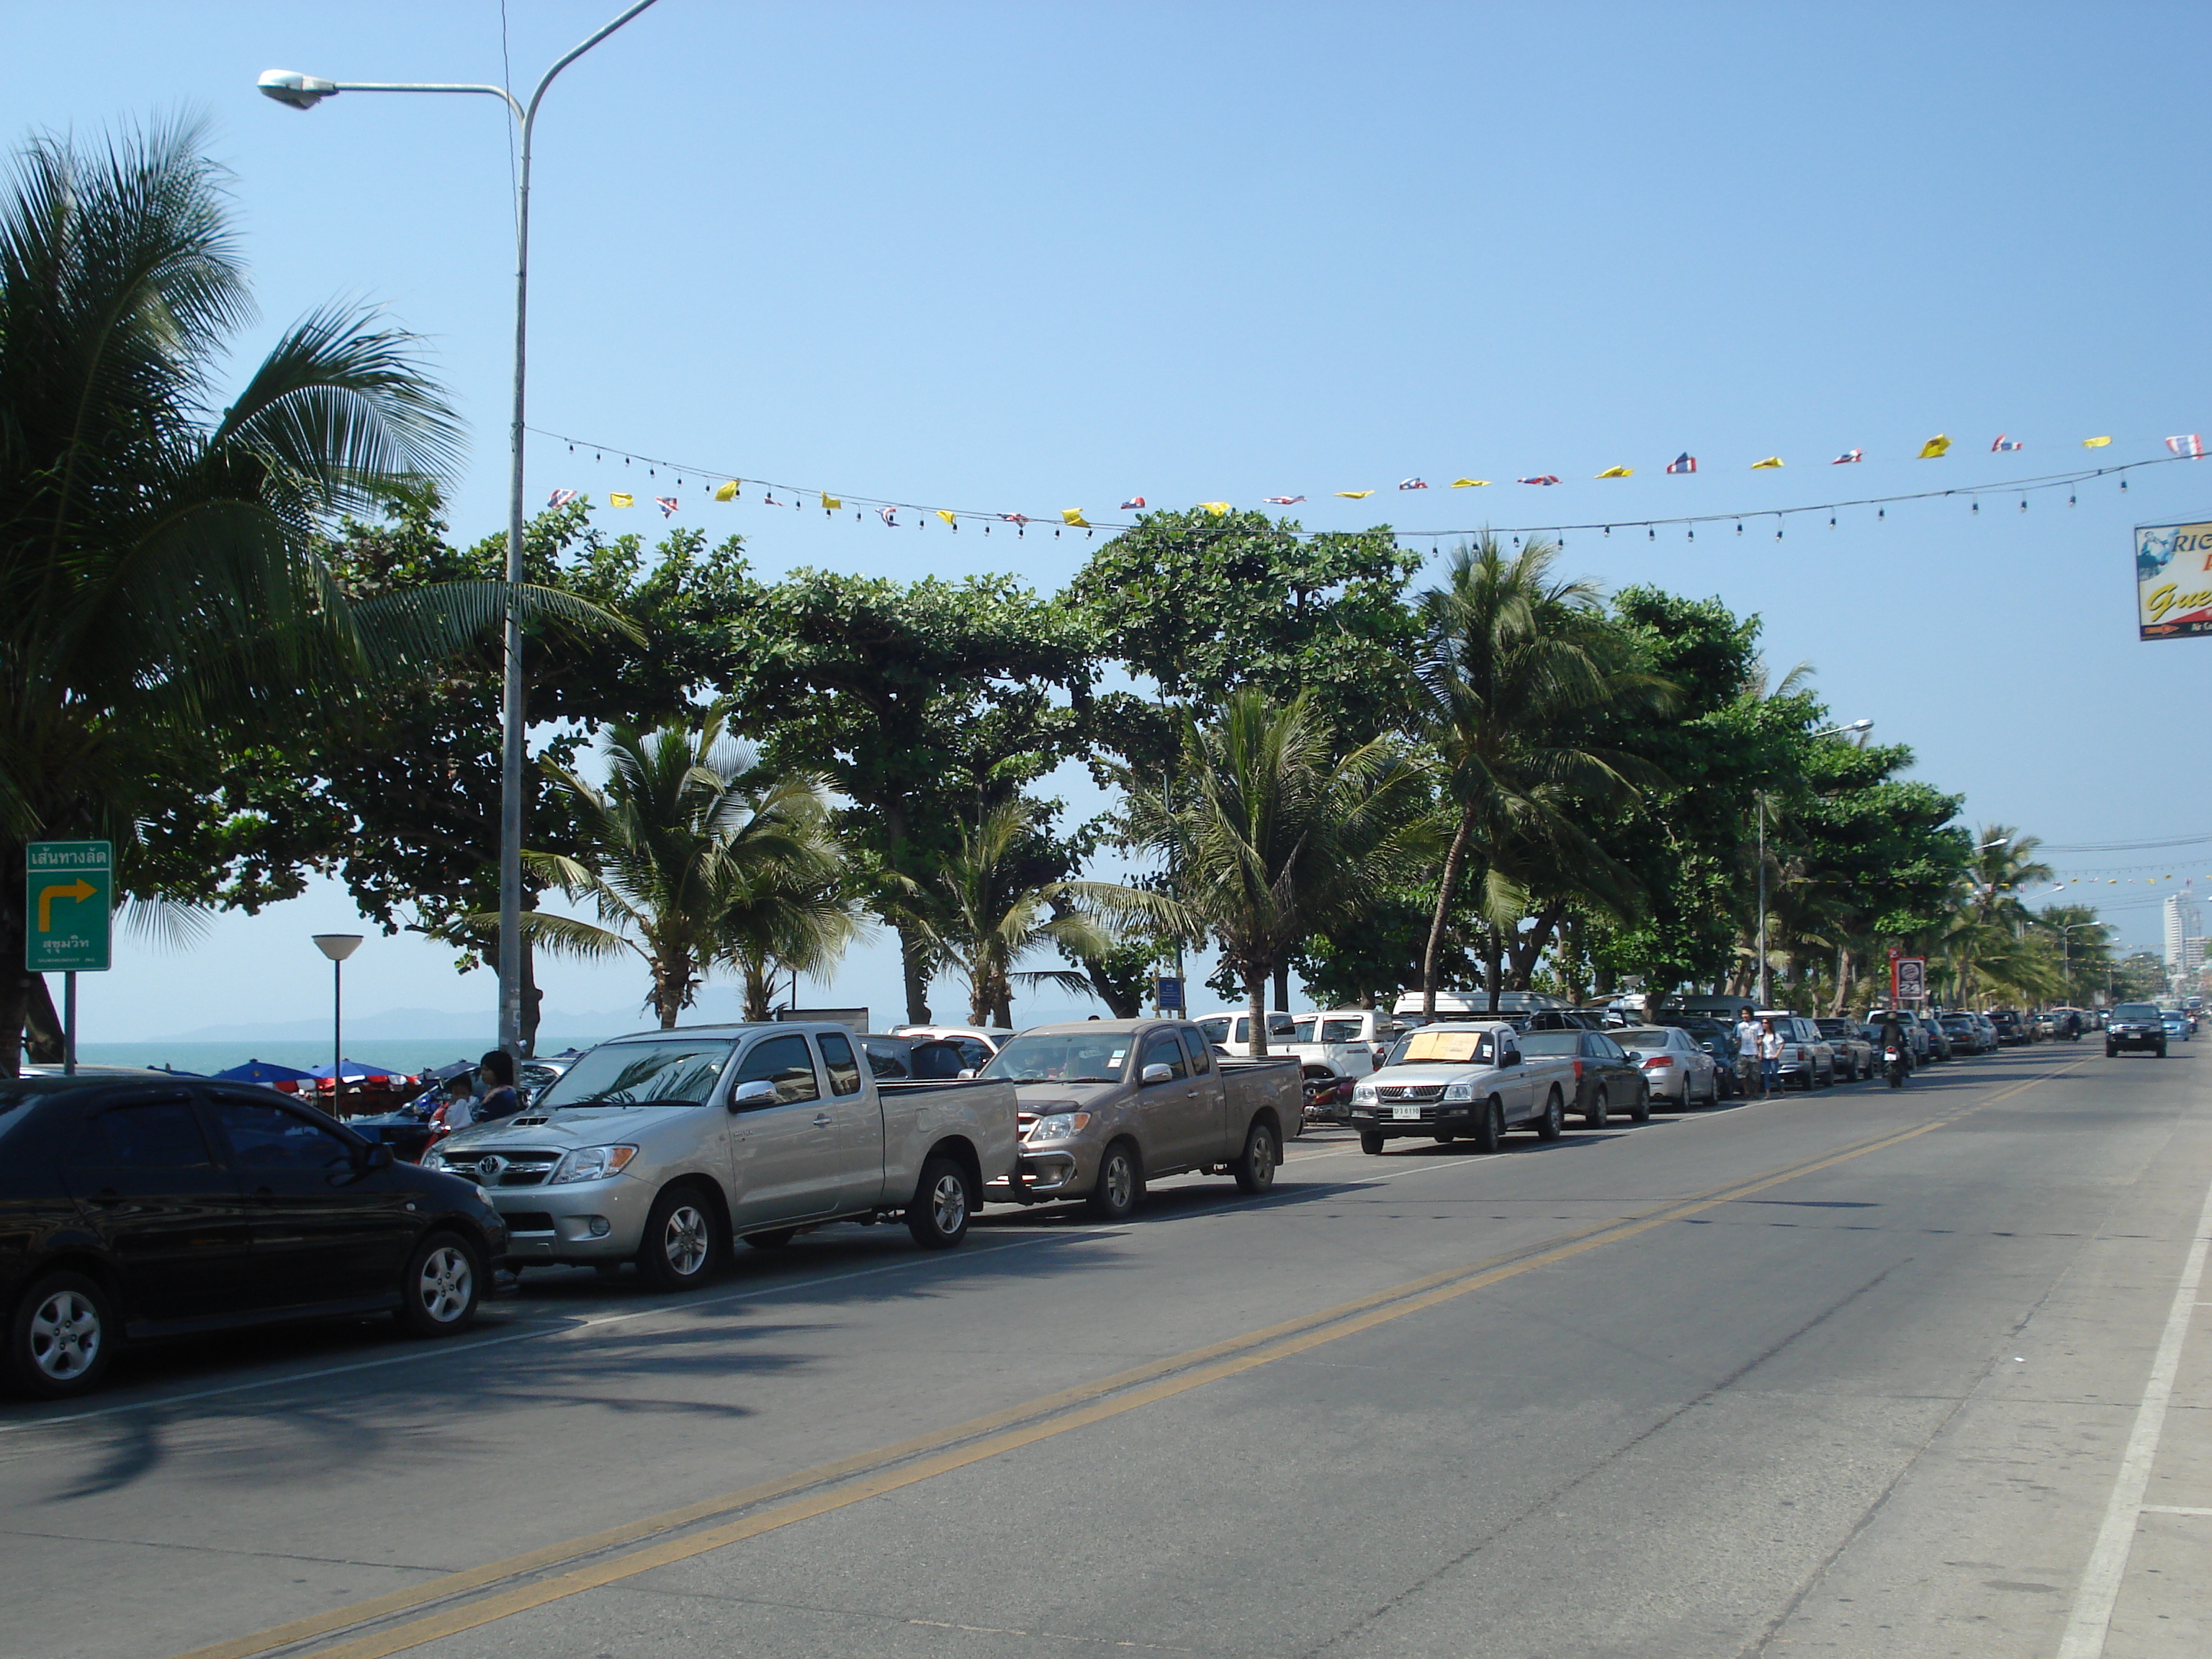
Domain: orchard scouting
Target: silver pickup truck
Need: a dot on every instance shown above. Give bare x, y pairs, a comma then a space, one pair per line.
662, 1147
1464, 1080
1109, 1103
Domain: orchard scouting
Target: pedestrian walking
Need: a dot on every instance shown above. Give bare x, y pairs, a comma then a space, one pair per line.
1748, 1072
1770, 1058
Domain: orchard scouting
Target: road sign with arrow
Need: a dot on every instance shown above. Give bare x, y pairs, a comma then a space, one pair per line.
67, 898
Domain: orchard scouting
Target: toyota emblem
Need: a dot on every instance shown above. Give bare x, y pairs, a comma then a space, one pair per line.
491, 1165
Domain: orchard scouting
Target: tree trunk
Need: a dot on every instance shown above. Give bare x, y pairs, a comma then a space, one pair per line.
1255, 1000
1454, 860
1528, 948
1283, 987
42, 1025
1843, 981
917, 981
15, 982
534, 999
757, 990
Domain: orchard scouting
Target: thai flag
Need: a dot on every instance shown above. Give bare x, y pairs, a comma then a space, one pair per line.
1541, 478
1413, 483
1848, 457
1684, 462
2003, 444
666, 504
2187, 444
1285, 500
886, 513
560, 498
1133, 504
1014, 518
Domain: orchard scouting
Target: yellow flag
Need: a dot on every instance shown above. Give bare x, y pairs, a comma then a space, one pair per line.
727, 492
943, 514
2095, 443
1074, 515
1355, 495
1934, 447
1217, 509
832, 503
1469, 483
1617, 472
617, 499
1771, 460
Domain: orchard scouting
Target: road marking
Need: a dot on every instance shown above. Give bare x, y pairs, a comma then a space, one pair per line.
2173, 1508
2108, 1560
830, 1487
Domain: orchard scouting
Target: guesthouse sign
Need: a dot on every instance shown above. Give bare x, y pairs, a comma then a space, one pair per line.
2174, 581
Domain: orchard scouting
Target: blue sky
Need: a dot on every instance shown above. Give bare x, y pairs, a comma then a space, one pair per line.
1025, 258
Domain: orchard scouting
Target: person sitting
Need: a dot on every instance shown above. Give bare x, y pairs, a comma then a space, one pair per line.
501, 1099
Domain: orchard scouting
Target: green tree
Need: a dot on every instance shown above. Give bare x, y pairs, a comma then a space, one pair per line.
1267, 838
694, 856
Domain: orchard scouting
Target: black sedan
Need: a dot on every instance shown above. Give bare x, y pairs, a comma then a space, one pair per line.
135, 1210
1607, 1078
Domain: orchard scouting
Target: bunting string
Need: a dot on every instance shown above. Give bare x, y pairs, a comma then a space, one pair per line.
730, 488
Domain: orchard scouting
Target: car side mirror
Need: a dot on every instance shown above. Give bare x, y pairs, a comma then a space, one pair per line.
966, 1073
1155, 1073
759, 1092
1511, 1057
378, 1156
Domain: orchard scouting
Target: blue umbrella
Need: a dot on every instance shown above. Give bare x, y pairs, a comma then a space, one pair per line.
353, 1070
265, 1070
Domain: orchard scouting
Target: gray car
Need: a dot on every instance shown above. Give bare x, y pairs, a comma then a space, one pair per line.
1675, 1066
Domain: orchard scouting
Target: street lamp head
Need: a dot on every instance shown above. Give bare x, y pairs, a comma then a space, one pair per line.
300, 91
337, 946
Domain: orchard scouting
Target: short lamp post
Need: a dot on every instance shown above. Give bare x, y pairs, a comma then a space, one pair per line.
337, 947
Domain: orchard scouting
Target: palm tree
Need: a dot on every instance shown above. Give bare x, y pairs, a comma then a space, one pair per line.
695, 858
987, 911
1512, 663
1269, 840
163, 583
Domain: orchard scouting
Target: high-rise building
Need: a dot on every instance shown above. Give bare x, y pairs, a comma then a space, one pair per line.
2184, 927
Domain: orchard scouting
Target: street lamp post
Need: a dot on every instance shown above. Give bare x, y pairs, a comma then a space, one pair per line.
305, 92
337, 947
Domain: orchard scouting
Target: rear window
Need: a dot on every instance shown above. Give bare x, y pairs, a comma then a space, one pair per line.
2135, 1011
1551, 1042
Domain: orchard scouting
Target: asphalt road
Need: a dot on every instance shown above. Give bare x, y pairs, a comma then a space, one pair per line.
1869, 1373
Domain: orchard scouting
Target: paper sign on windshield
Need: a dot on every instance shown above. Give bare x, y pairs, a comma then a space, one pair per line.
1452, 1047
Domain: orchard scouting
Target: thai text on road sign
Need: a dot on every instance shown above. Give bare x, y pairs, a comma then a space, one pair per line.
69, 891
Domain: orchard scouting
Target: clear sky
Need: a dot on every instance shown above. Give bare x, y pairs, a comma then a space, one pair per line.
1022, 258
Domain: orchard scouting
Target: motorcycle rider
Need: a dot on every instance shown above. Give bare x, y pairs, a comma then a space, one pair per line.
1891, 1039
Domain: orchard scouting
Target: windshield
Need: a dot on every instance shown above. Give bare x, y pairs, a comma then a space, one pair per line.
2135, 1011
1446, 1045
1073, 1057
1551, 1042
676, 1071
1216, 1029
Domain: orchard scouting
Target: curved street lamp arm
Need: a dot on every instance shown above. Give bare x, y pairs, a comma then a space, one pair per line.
500, 92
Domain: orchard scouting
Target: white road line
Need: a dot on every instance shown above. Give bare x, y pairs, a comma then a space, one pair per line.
2108, 1561
2173, 1508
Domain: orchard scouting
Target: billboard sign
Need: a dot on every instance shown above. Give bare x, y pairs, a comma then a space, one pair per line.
1911, 978
2174, 581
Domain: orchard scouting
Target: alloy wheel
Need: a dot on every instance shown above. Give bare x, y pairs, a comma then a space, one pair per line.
948, 1203
446, 1283
686, 1240
65, 1336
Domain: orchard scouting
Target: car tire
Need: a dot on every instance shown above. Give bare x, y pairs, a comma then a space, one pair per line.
1641, 1111
1121, 1184
1492, 1135
1554, 1123
2160, 1051
439, 1287
2111, 1053
943, 1205
1370, 1143
61, 1337
774, 1240
683, 1242
1597, 1116
1254, 1168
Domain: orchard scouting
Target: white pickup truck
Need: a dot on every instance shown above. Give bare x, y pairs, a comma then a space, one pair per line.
1468, 1081
662, 1147
1331, 1049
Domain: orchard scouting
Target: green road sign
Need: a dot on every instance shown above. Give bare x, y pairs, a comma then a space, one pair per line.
66, 901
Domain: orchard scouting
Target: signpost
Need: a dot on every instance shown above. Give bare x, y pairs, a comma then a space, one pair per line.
2174, 581
1167, 993
68, 896
1911, 978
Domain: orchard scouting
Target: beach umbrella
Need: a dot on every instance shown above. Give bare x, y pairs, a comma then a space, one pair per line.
265, 1070
353, 1071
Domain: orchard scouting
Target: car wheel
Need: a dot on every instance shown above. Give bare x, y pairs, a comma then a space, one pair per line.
438, 1291
682, 1240
943, 1203
1120, 1185
2111, 1053
1640, 1110
772, 1240
1554, 1123
61, 1338
1370, 1143
1255, 1169
2160, 1051
1595, 1117
1492, 1135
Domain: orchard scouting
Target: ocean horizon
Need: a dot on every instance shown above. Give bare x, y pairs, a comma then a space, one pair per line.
396, 1054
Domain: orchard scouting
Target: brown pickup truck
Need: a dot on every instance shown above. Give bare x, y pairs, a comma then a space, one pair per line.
1107, 1104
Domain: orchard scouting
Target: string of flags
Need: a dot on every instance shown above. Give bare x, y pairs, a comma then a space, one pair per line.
2179, 447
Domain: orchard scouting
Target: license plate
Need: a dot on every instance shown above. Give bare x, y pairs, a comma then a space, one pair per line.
1406, 1109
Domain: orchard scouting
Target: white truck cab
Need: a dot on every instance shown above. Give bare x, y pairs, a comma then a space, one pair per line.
1467, 1080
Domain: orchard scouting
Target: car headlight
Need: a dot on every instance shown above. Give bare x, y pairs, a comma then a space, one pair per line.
435, 1161
1362, 1094
1059, 1125
592, 1163
1459, 1092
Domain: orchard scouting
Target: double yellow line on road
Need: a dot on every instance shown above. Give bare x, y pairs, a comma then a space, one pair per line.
825, 1488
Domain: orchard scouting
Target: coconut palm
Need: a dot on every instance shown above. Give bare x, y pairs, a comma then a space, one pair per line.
163, 586
694, 858
1268, 839
1512, 663
987, 910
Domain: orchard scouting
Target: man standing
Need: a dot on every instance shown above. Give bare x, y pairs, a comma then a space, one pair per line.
1748, 1071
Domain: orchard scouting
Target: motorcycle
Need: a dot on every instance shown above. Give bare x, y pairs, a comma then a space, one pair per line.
1893, 1061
